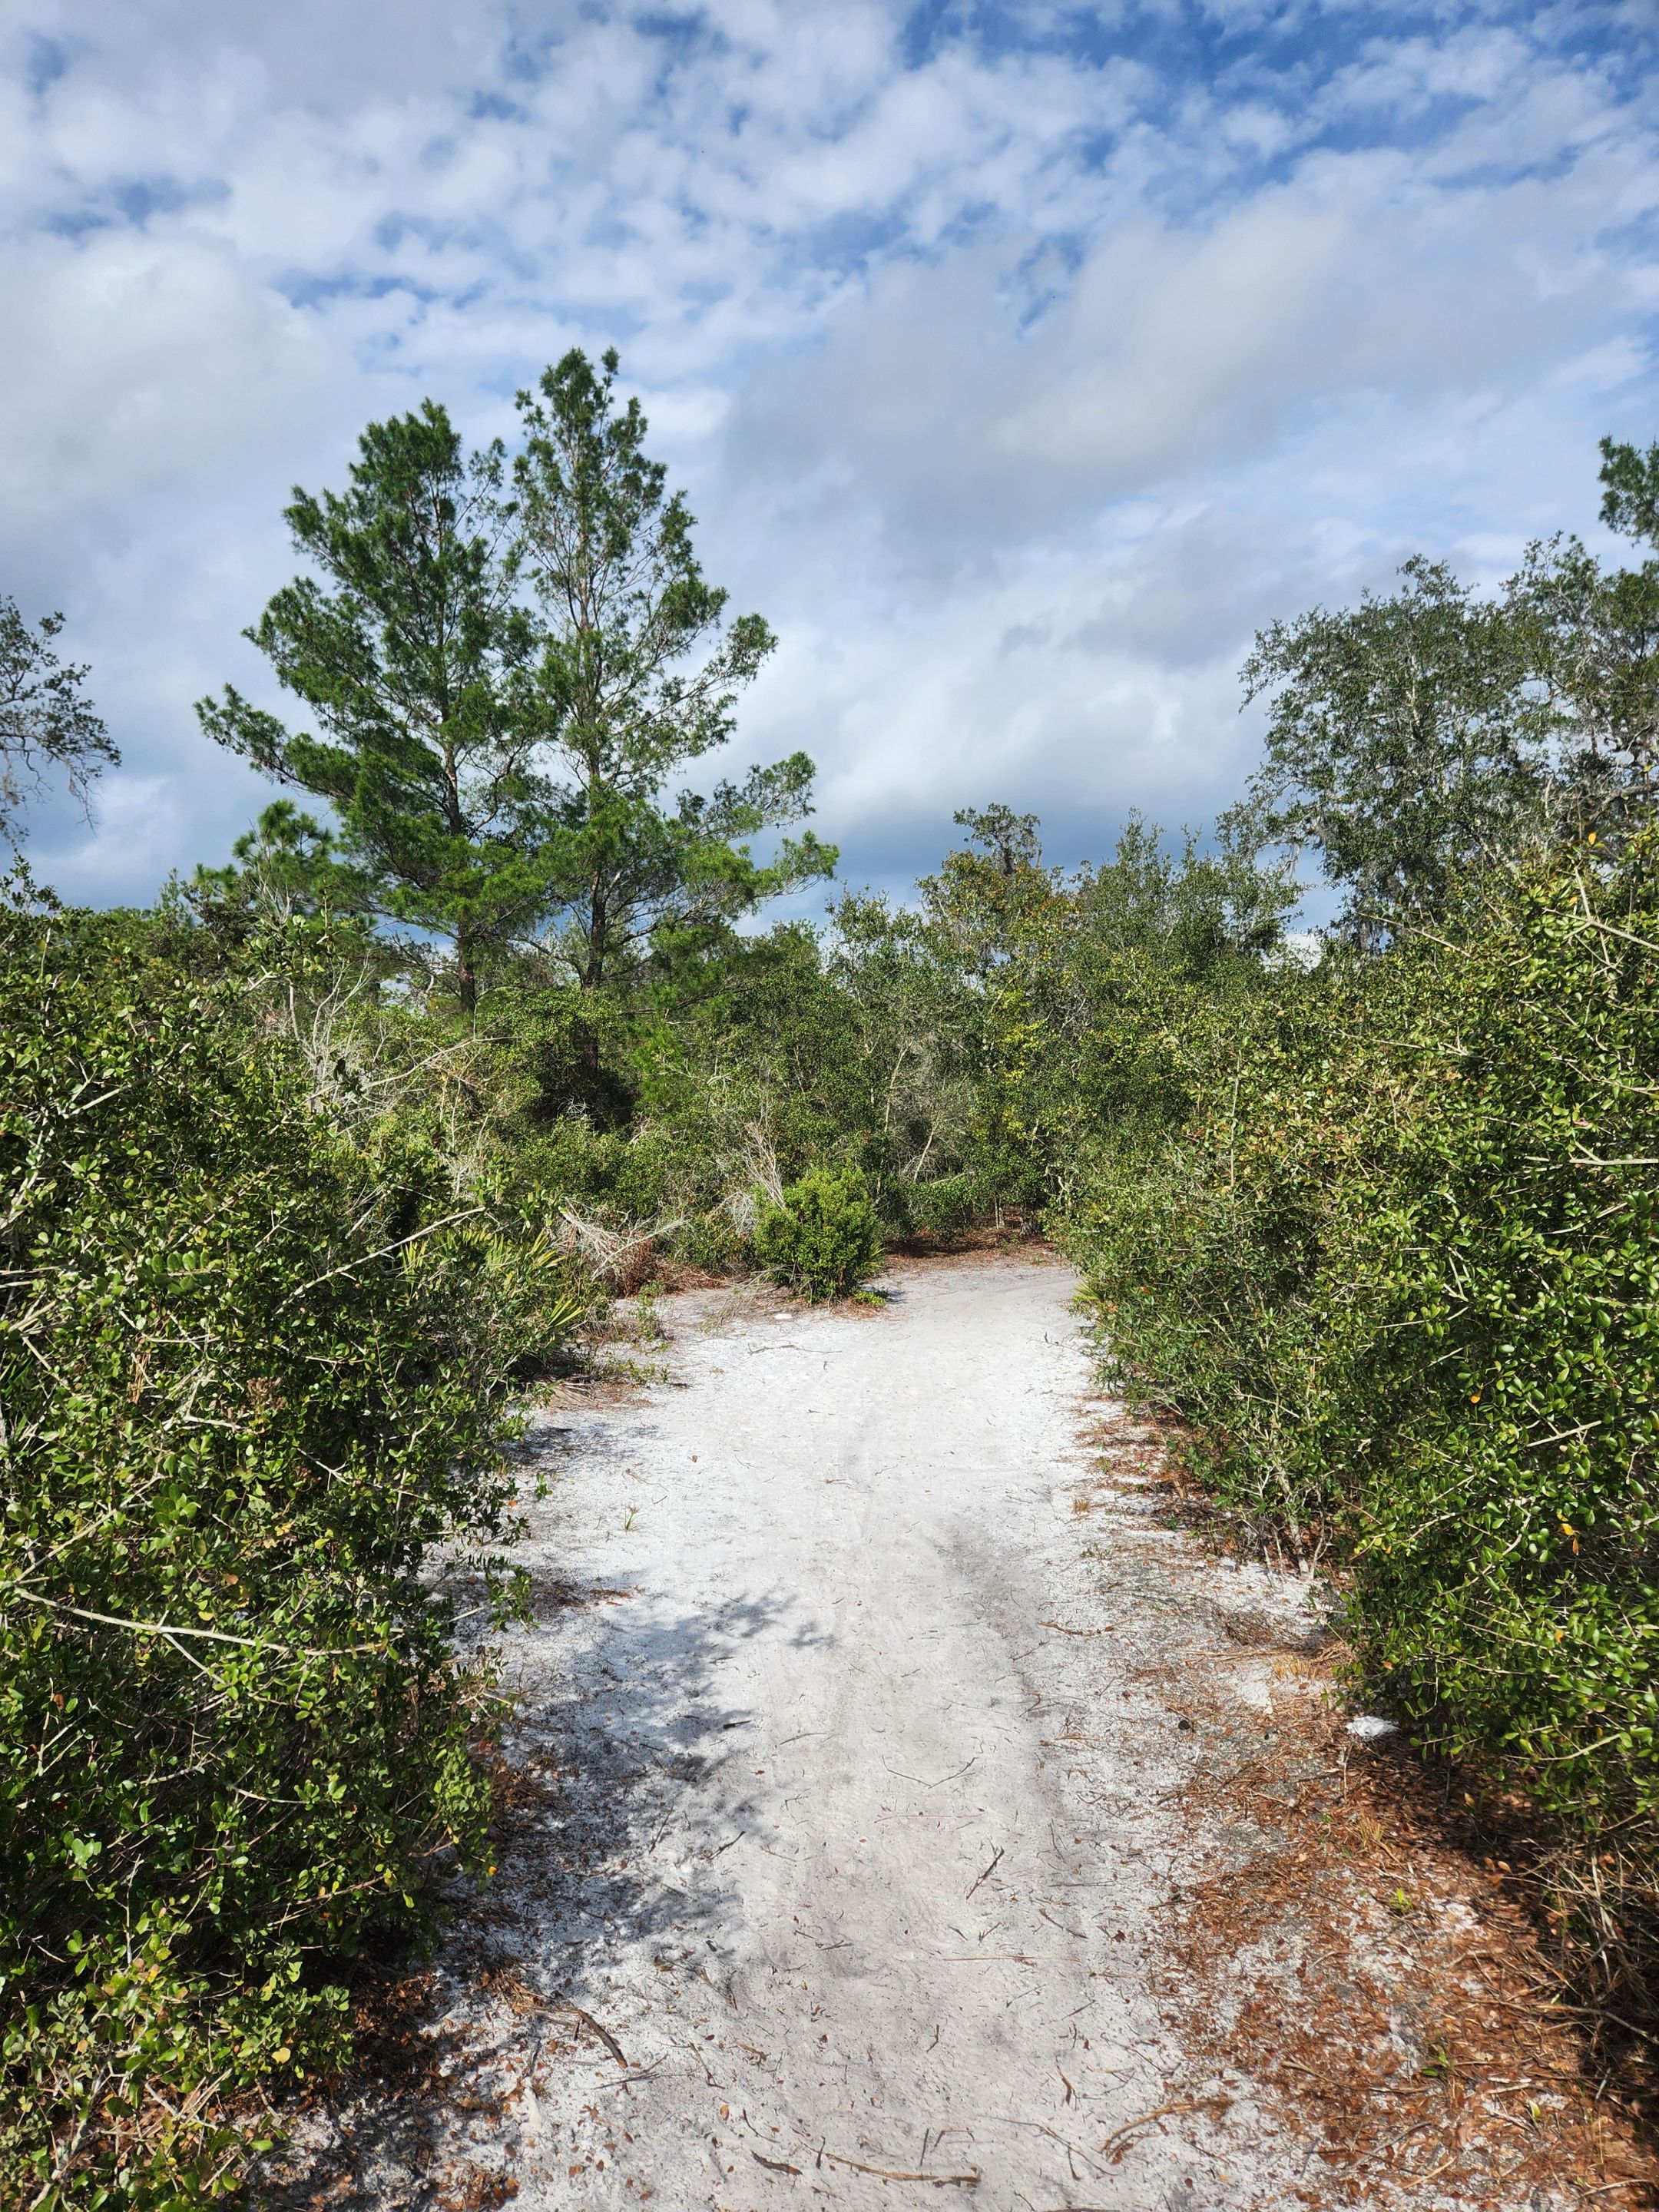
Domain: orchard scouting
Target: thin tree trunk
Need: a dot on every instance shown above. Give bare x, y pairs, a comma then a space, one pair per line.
466, 974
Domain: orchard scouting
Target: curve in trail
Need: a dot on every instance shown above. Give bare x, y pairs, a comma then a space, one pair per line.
847, 1796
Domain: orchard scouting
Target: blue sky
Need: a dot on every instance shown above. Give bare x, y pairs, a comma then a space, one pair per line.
1020, 361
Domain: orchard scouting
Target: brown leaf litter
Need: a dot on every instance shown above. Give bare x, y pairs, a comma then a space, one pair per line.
1353, 1947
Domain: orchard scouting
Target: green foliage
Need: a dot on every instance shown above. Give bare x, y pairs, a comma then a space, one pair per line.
1507, 1547
1592, 636
411, 652
287, 866
1629, 489
293, 1204
635, 677
1419, 740
253, 1363
825, 1238
1069, 989
1404, 741
1395, 1264
503, 686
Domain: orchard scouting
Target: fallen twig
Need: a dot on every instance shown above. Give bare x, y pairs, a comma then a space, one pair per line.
1160, 2112
1076, 1935
644, 2073
922, 1781
887, 2173
1070, 2148
1009, 1957
604, 2033
995, 1856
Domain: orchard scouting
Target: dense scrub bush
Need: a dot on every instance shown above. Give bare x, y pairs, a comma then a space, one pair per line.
1397, 1268
252, 1369
825, 1238
801, 1047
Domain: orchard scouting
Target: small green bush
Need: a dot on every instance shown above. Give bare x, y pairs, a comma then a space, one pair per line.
825, 1239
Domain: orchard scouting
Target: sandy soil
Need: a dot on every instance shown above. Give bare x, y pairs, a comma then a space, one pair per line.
854, 1801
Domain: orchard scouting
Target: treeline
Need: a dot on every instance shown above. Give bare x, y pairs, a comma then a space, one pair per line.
313, 1167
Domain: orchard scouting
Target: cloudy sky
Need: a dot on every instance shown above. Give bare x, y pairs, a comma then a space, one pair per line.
1020, 360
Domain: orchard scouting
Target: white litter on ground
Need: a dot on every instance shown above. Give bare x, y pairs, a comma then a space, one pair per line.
1371, 1728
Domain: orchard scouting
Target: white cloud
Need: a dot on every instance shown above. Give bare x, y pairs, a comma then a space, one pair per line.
1016, 383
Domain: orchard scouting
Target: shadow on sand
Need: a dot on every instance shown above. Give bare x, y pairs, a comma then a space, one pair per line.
609, 1835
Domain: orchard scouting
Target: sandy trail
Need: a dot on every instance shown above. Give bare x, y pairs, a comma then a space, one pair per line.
862, 1810
851, 1740
878, 1895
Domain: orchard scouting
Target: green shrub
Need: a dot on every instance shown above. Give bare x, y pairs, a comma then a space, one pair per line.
252, 1369
1399, 1270
825, 1239
951, 1205
1202, 1239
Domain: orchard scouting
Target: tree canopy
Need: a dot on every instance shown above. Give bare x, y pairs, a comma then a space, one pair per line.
1403, 741
637, 675
412, 652
507, 667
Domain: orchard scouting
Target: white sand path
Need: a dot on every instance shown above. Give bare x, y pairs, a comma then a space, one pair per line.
855, 1802
868, 1812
